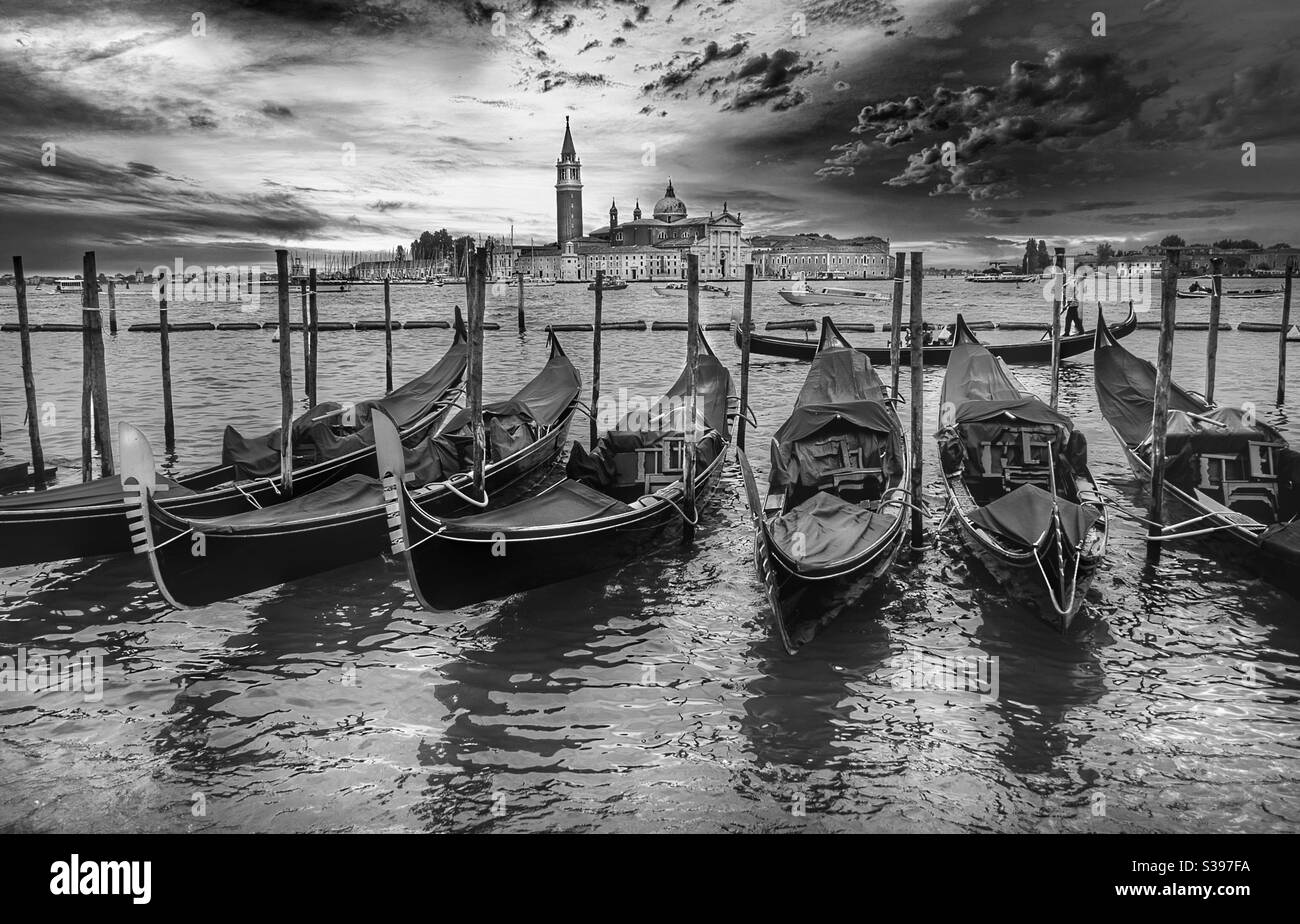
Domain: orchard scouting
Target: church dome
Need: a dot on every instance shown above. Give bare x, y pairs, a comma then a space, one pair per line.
670, 208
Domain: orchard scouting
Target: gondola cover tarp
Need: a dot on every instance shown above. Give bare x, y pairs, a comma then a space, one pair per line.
794, 461
1024, 515
824, 530
1126, 387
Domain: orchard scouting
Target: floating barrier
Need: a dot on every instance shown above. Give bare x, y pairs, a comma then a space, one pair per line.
376, 325
238, 325
426, 325
561, 328
857, 327
622, 325
1260, 327
803, 324
1182, 325
1023, 325
681, 325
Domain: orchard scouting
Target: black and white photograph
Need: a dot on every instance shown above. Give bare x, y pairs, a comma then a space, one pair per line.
674, 417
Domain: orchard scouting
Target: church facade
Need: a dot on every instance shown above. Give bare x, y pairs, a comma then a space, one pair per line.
641, 248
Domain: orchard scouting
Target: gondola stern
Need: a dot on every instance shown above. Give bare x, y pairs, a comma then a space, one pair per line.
963, 333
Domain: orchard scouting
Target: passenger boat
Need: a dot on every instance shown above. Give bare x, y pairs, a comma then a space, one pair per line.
706, 290
614, 504
1227, 473
1035, 351
835, 513
1018, 484
609, 284
999, 273
803, 294
200, 561
330, 443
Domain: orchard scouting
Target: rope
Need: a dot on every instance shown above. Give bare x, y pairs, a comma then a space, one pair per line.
466, 498
682, 513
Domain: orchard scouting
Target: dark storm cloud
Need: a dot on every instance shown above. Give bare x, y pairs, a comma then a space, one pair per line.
1232, 195
1150, 217
1072, 96
678, 76
769, 77
1259, 101
276, 111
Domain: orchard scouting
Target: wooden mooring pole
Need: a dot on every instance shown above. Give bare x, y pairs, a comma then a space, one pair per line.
896, 320
1281, 337
306, 341
688, 422
1212, 340
29, 378
522, 326
1058, 301
747, 322
286, 372
595, 349
164, 346
95, 387
916, 353
1164, 376
475, 299
313, 345
388, 338
112, 307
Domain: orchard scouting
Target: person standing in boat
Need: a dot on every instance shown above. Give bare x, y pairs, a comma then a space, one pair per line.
1071, 307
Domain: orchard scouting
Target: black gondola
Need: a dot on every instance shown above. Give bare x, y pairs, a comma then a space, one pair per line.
1018, 483
1227, 473
1030, 353
330, 443
615, 503
200, 561
835, 513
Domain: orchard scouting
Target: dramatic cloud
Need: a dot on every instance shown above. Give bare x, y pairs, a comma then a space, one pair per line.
1072, 96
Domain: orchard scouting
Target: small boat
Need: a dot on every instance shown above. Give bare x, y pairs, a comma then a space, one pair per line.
1018, 484
835, 513
608, 284
999, 273
803, 294
1227, 473
330, 442
706, 290
201, 561
1235, 293
1027, 353
614, 505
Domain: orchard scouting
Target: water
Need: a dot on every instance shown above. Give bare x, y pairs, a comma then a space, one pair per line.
652, 698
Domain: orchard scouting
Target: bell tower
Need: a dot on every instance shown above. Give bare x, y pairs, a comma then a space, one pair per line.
568, 191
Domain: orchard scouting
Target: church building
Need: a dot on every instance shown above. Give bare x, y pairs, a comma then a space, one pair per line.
642, 248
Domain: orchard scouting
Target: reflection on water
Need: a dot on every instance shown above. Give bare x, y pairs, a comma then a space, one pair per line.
649, 697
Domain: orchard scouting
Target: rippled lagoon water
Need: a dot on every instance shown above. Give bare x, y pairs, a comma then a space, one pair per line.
650, 698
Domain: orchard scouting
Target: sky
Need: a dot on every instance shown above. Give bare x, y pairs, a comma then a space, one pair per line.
147, 131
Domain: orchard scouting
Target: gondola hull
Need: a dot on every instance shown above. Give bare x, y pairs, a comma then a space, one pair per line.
191, 571
448, 571
1030, 353
100, 529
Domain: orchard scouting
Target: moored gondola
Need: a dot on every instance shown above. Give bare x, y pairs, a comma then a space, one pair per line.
330, 442
199, 561
834, 517
1018, 484
1227, 474
616, 502
1025, 353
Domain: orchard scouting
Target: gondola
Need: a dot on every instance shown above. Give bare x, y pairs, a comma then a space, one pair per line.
835, 513
1227, 473
616, 503
1018, 483
1037, 351
330, 442
200, 561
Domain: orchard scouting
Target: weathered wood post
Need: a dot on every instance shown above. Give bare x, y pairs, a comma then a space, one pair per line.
917, 355
475, 299
165, 348
896, 319
522, 327
1281, 337
29, 378
1058, 301
112, 307
746, 322
1212, 340
1164, 375
595, 349
286, 372
688, 422
306, 339
314, 340
95, 391
388, 338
